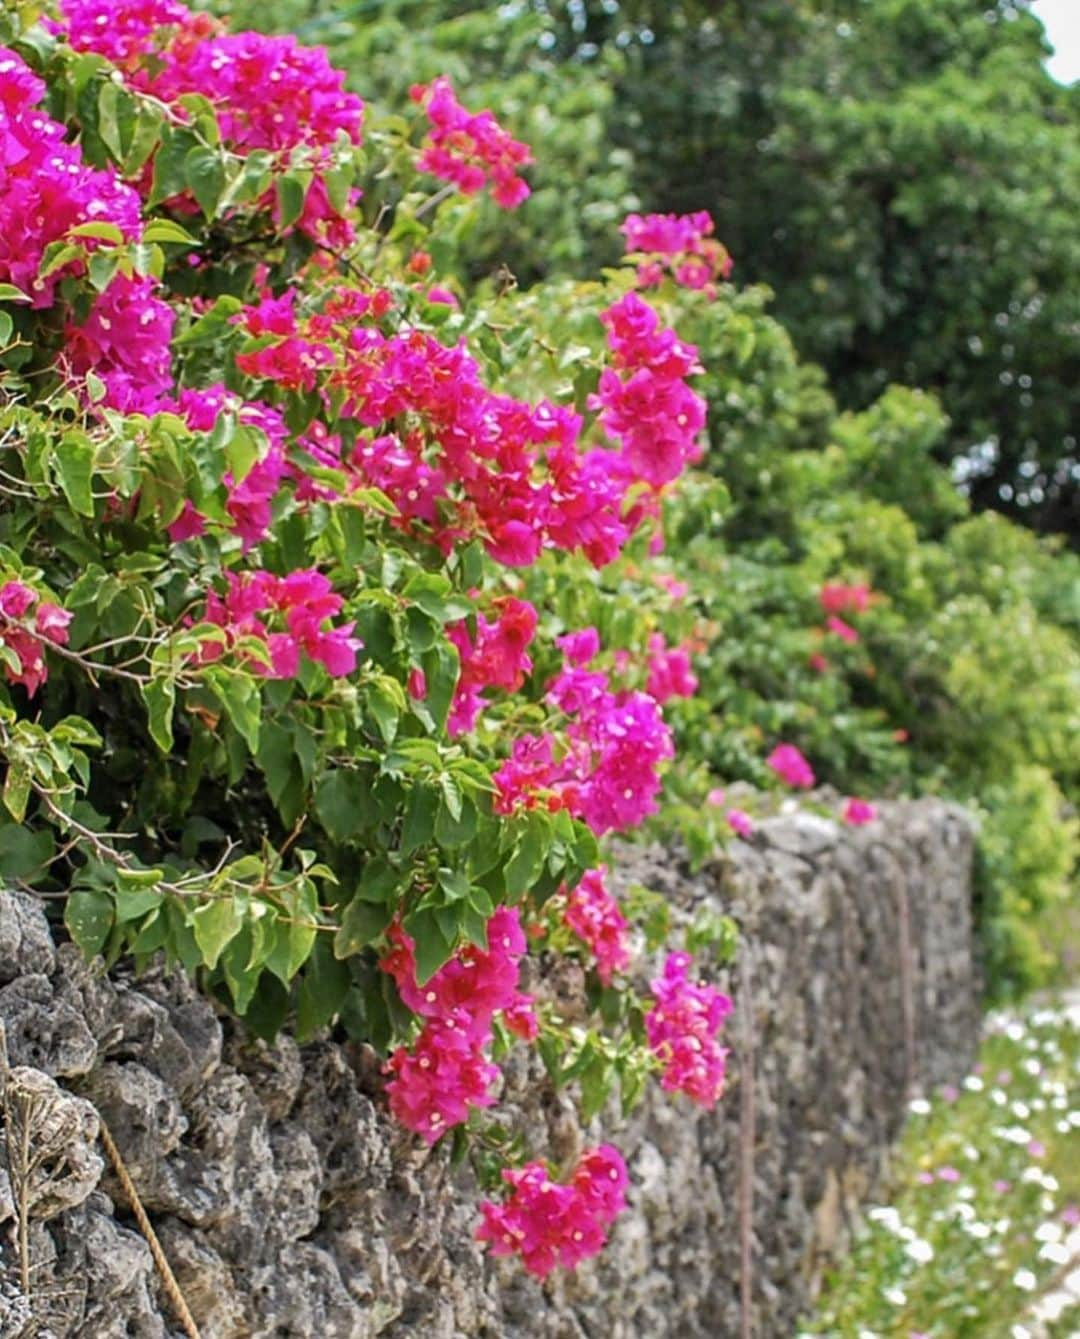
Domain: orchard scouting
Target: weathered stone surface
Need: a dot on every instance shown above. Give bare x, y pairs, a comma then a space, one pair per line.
291, 1208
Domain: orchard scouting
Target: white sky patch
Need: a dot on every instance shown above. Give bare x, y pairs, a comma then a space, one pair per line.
1061, 19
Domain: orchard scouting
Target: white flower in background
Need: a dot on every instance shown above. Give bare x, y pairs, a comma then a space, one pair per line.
998, 1097
886, 1216
1014, 1030
919, 1106
1049, 1232
1015, 1134
1020, 1332
964, 1212
965, 1192
920, 1251
1054, 1252
1024, 1278
971, 1153
1063, 1127
980, 1231
895, 1296
1073, 1118
1021, 1110
973, 1083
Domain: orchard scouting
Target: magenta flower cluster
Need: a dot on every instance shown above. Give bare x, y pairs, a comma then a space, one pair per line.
593, 914
46, 189
549, 1223
644, 401
446, 1071
26, 621
494, 658
682, 1027
304, 601
681, 245
270, 93
603, 767
470, 149
791, 767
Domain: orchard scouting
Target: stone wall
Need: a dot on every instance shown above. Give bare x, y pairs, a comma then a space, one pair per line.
290, 1207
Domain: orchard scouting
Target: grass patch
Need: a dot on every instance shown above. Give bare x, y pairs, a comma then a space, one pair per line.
983, 1222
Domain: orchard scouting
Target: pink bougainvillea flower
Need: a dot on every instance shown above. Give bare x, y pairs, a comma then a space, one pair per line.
681, 1028
470, 149
740, 822
669, 671
25, 643
791, 767
681, 245
840, 629
858, 812
839, 599
594, 916
551, 1223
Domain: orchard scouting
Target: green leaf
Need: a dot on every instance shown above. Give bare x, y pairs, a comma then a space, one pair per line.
361, 923
103, 231
215, 925
322, 990
89, 918
268, 1007
24, 853
159, 697
419, 825
17, 789
204, 175
291, 194
239, 694
133, 897
342, 802
73, 460
241, 973
524, 866
165, 230
432, 946
9, 293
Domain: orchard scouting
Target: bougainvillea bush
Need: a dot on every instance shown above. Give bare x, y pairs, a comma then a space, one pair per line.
288, 692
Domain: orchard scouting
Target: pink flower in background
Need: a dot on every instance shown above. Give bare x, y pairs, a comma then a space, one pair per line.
740, 822
840, 629
948, 1174
839, 599
520, 1018
669, 671
858, 812
682, 245
791, 767
818, 662
716, 796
